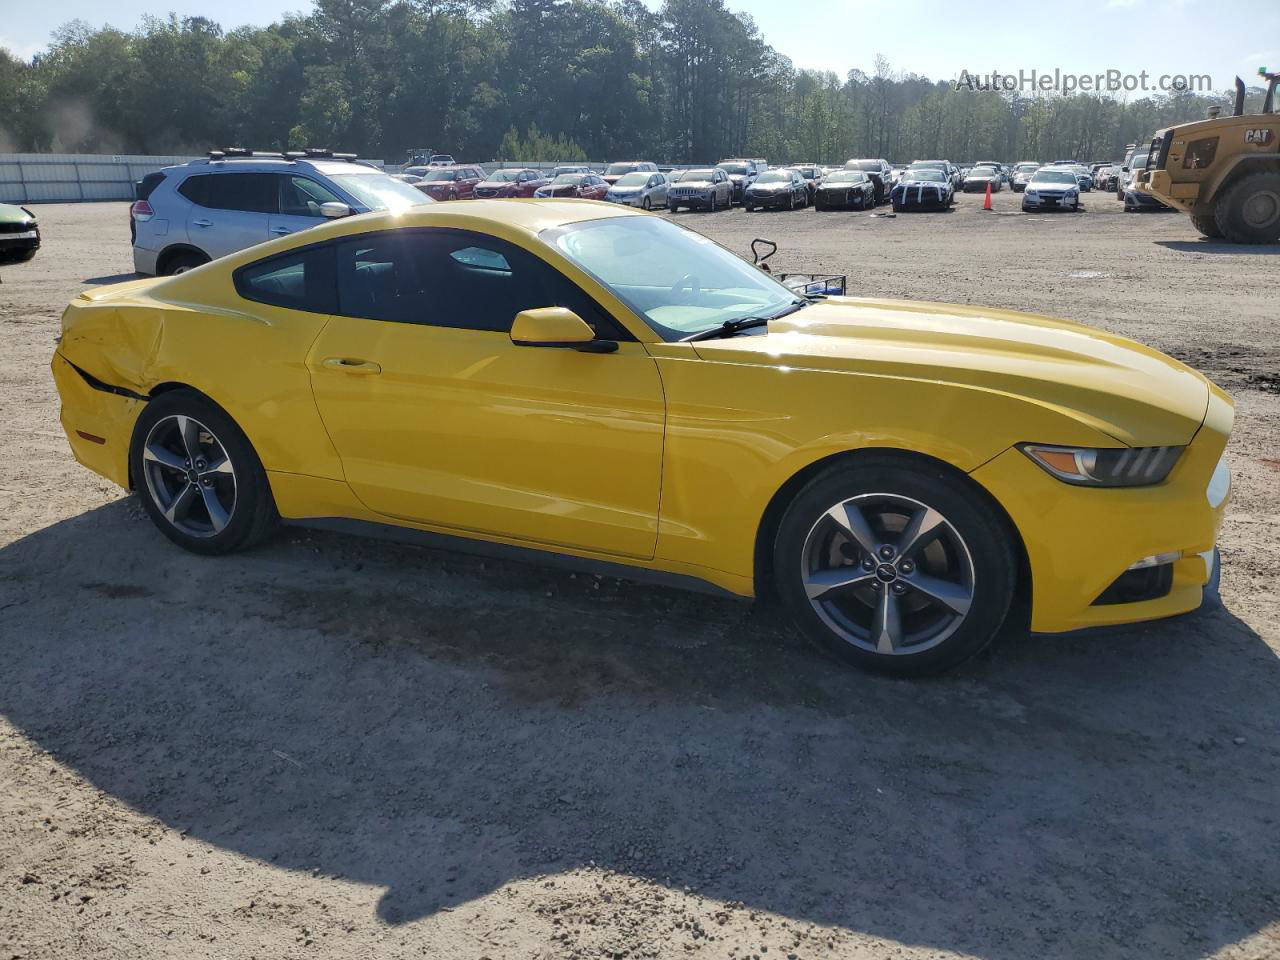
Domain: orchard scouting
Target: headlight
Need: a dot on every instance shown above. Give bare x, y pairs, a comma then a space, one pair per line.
1106, 467
1032, 194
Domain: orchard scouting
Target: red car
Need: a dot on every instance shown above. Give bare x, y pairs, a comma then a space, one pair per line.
510, 183
450, 183
587, 186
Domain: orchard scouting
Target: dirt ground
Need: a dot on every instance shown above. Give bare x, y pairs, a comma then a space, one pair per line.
338, 748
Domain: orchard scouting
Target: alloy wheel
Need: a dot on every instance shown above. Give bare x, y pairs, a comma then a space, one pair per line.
888, 574
189, 476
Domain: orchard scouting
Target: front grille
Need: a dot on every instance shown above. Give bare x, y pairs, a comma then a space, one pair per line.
16, 227
685, 192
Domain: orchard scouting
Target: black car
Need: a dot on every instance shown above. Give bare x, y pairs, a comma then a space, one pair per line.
923, 188
782, 189
742, 173
879, 171
846, 188
812, 174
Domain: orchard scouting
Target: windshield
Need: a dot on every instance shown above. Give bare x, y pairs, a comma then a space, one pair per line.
1027, 168
982, 172
569, 178
416, 171
928, 165
438, 174
737, 169
505, 176
377, 191
862, 165
926, 173
633, 180
617, 169
1054, 176
696, 175
680, 282
845, 176
774, 176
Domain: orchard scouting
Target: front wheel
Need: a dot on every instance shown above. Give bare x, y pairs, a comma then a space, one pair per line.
1206, 225
1249, 210
198, 476
895, 565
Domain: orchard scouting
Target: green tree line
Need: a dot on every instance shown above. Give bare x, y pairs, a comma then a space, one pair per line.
526, 80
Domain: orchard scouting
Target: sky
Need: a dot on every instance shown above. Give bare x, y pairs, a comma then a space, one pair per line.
1161, 37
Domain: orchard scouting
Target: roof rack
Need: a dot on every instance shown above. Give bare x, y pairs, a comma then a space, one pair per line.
311, 153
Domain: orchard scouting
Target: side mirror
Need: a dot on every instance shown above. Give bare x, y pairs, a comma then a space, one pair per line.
333, 210
556, 327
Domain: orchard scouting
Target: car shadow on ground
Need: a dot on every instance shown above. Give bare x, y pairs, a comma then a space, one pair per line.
439, 726
114, 278
1214, 246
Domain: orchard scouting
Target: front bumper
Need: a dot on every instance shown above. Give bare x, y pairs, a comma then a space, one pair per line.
1050, 202
1136, 198
1080, 540
21, 240
766, 200
98, 423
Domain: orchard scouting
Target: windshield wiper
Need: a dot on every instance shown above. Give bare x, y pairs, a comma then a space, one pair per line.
731, 327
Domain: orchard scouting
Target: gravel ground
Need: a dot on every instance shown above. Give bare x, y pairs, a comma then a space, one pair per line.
332, 747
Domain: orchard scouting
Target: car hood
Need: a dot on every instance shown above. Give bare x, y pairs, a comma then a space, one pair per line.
768, 187
1050, 185
912, 182
705, 184
11, 214
1118, 387
497, 184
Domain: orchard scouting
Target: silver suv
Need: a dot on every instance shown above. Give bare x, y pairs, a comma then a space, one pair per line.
233, 199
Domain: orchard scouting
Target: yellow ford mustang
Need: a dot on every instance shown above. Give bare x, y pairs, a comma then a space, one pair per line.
585, 380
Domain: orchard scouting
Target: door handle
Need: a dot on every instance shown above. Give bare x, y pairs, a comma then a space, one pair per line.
203, 223
281, 231
352, 365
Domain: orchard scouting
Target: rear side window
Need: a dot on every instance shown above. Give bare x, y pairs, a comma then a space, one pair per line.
147, 185
246, 192
299, 280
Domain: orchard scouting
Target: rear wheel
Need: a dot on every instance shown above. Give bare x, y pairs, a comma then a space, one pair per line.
181, 262
1206, 225
198, 476
895, 565
1249, 210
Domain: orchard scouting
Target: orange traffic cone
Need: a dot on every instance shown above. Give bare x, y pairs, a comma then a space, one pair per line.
986, 204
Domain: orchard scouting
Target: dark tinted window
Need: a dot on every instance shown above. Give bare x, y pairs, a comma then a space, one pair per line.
453, 278
147, 184
249, 192
300, 280
1200, 153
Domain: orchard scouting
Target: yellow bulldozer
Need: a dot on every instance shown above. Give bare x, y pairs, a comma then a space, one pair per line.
1223, 171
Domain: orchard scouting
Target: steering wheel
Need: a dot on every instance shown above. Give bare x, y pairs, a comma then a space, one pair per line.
690, 281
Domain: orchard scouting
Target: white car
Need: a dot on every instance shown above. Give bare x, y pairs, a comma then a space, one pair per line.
644, 190
1052, 188
208, 208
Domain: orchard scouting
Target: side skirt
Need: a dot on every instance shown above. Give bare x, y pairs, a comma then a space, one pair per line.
505, 551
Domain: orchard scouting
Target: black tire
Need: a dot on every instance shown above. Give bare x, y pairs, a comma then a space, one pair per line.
1206, 225
183, 261
646, 204
673, 207
818, 207
747, 207
252, 510
712, 206
898, 208
1249, 210
974, 537
18, 256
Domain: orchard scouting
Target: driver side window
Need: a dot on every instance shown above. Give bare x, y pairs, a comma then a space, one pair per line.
454, 278
300, 197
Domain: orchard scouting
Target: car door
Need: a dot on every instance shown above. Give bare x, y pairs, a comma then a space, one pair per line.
298, 204
439, 418
229, 211
658, 190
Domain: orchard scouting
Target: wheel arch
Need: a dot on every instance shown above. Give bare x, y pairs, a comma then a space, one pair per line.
771, 519
172, 386
1243, 166
173, 250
